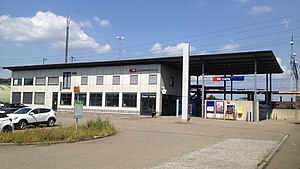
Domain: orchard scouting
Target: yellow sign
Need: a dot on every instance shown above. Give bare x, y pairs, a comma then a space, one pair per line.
76, 89
240, 111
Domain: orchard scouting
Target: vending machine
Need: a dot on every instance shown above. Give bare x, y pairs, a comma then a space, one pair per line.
230, 113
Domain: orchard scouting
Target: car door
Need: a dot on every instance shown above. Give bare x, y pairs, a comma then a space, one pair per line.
44, 112
34, 116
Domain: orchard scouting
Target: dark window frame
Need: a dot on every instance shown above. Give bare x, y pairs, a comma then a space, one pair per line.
129, 99
114, 99
96, 98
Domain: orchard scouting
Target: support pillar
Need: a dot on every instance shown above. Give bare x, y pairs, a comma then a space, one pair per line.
203, 94
267, 97
185, 81
255, 112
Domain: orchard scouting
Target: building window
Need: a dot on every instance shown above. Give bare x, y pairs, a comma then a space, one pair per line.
112, 100
39, 98
17, 82
53, 80
66, 80
16, 97
152, 79
116, 80
95, 99
28, 81
65, 98
171, 81
129, 99
82, 96
99, 80
84, 80
40, 81
27, 97
133, 79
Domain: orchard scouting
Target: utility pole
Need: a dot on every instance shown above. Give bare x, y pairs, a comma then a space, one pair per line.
67, 38
294, 65
120, 44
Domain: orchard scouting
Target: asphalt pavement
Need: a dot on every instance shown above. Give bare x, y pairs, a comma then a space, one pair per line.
165, 142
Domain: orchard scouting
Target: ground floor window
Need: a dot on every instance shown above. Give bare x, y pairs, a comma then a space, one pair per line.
27, 98
16, 97
112, 99
95, 99
65, 98
129, 99
82, 96
39, 98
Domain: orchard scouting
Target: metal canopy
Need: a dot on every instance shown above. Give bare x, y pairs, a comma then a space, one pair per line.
215, 64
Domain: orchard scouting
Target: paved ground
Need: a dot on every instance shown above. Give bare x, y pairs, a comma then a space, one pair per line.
143, 142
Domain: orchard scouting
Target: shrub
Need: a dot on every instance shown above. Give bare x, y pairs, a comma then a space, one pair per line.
92, 129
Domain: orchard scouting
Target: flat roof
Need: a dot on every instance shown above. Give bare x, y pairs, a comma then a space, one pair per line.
214, 64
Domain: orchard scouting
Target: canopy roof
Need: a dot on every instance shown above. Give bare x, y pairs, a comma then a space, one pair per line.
214, 64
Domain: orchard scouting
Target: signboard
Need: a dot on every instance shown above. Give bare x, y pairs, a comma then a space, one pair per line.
78, 109
227, 78
220, 107
210, 106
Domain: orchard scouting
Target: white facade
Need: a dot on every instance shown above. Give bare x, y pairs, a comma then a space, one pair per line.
133, 81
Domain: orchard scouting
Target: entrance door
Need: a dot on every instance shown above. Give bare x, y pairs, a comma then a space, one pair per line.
148, 103
54, 101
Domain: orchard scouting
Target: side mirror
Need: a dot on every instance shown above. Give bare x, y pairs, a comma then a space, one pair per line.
31, 113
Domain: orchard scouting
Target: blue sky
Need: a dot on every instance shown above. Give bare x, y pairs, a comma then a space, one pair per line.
35, 29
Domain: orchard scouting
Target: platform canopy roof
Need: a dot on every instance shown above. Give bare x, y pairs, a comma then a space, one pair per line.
214, 64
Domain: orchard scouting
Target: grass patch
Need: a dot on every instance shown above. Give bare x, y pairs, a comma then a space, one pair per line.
92, 129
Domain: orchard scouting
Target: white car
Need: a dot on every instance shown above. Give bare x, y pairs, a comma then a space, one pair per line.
33, 115
5, 123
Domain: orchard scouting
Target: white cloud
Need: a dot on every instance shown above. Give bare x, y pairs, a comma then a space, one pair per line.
204, 52
101, 22
256, 10
242, 1
86, 24
286, 70
285, 22
169, 50
231, 47
48, 28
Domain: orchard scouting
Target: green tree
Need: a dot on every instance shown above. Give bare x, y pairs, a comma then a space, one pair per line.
211, 97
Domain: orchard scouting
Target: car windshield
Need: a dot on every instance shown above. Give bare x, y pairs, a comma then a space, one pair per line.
22, 111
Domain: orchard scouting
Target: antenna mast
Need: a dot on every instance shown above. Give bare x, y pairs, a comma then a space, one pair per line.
293, 63
67, 38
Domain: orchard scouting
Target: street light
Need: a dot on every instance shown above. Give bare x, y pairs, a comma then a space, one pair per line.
120, 44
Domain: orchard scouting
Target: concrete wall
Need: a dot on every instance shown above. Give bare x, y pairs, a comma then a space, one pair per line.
285, 114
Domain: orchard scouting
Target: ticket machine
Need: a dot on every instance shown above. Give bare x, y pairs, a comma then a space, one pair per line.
230, 112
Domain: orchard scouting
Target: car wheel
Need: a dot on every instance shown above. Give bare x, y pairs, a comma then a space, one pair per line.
51, 122
22, 124
7, 129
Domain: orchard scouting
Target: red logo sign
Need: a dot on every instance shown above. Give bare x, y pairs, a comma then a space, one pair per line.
132, 70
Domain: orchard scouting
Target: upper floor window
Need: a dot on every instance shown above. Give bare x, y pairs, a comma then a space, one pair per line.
40, 81
133, 79
116, 80
28, 81
53, 80
17, 82
99, 80
84, 80
152, 79
66, 80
